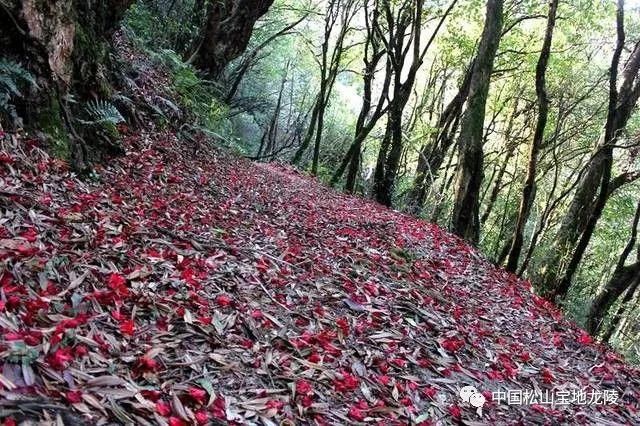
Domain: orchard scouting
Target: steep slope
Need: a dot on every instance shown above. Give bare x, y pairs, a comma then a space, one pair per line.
178, 288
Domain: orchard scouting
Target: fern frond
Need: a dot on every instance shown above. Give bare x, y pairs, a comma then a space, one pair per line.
102, 112
12, 76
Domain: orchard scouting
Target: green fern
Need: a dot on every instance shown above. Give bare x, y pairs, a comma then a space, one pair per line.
12, 78
102, 112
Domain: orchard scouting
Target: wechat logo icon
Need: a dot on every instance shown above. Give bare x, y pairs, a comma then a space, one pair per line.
471, 395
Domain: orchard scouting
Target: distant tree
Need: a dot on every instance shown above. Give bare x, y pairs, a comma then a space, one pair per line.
402, 38
374, 51
337, 25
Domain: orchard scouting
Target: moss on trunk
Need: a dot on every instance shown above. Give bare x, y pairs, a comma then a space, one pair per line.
66, 44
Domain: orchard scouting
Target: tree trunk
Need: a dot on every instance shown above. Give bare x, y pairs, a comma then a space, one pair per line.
297, 157
66, 45
226, 32
593, 190
383, 185
403, 34
316, 147
432, 155
497, 185
528, 191
249, 59
622, 278
465, 221
373, 53
618, 315
339, 13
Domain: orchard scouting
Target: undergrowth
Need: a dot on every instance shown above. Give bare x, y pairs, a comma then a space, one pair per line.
191, 96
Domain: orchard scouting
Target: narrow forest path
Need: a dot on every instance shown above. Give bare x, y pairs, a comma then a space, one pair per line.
177, 288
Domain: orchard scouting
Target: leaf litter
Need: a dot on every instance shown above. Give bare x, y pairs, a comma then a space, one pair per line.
176, 289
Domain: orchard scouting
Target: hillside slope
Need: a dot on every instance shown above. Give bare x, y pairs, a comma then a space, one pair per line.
180, 289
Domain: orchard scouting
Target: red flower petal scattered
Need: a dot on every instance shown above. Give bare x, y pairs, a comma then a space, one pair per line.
452, 344
74, 397
163, 408
260, 278
60, 358
223, 300
584, 338
455, 411
128, 327
199, 395
303, 387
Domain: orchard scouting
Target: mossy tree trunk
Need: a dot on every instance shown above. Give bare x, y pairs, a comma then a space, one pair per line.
66, 44
624, 277
226, 32
592, 193
528, 191
465, 222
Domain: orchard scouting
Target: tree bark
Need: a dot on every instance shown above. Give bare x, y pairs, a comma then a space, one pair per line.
593, 191
465, 221
623, 277
528, 191
66, 44
621, 280
226, 32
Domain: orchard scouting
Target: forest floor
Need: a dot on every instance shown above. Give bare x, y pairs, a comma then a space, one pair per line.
178, 289
181, 287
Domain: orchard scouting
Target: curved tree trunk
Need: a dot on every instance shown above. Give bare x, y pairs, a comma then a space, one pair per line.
620, 312
337, 25
623, 277
403, 34
528, 191
593, 191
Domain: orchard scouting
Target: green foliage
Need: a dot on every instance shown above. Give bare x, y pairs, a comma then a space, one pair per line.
101, 112
19, 353
50, 122
166, 32
13, 79
12, 76
160, 27
199, 97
